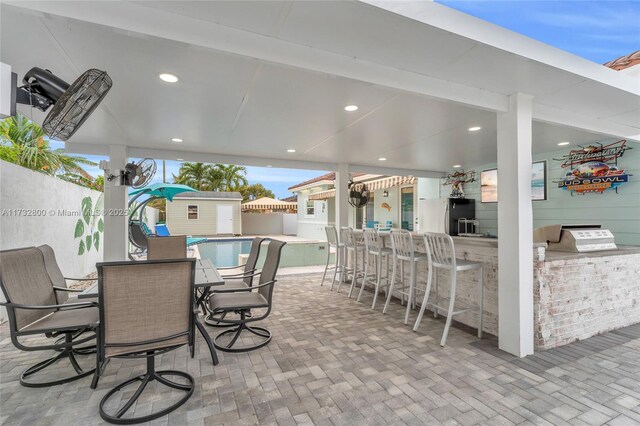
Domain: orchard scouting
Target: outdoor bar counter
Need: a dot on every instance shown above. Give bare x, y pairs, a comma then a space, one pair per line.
576, 295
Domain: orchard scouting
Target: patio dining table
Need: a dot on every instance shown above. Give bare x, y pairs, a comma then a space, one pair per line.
207, 276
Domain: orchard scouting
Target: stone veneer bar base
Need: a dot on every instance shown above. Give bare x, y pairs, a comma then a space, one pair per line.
576, 296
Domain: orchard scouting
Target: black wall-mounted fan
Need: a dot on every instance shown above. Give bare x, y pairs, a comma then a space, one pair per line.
72, 104
358, 194
135, 175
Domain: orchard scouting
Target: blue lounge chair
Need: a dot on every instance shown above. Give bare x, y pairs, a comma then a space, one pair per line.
163, 231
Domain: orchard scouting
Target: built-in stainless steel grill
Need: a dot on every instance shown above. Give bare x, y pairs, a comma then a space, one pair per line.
575, 238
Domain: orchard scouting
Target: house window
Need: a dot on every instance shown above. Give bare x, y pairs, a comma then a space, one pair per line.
311, 208
192, 212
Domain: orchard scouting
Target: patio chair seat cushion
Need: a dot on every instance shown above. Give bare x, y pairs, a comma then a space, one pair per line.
240, 300
83, 300
65, 320
232, 283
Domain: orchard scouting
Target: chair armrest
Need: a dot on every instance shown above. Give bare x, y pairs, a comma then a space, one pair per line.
231, 267
65, 307
71, 290
80, 279
239, 289
242, 275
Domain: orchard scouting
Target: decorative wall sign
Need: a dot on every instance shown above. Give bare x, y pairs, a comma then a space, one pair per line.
386, 206
489, 183
458, 178
594, 169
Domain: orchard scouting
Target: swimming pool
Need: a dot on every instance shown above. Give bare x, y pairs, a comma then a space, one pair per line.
225, 252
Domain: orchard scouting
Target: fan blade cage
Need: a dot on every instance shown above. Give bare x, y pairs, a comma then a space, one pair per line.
76, 104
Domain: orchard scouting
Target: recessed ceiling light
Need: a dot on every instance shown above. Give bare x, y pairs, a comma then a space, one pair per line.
474, 128
456, 166
291, 150
563, 143
382, 159
169, 78
180, 159
176, 140
351, 108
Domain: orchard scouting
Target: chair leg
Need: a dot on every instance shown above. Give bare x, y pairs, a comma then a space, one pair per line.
480, 301
326, 266
452, 300
150, 375
364, 279
378, 280
437, 296
403, 291
354, 275
393, 281
412, 289
68, 353
425, 300
336, 269
237, 331
344, 270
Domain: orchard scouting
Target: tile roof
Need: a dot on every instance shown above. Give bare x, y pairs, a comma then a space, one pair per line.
624, 61
328, 176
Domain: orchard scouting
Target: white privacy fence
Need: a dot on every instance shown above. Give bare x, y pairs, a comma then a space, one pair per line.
269, 223
39, 209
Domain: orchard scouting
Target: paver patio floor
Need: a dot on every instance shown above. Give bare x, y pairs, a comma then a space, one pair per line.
334, 361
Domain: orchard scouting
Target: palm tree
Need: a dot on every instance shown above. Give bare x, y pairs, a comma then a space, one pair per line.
23, 142
255, 191
233, 177
200, 176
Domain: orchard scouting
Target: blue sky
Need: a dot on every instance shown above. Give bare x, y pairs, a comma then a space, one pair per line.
277, 180
596, 30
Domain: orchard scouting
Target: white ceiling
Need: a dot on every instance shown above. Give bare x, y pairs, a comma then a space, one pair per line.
238, 106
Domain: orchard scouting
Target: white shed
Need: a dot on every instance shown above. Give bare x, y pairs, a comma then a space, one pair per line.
205, 213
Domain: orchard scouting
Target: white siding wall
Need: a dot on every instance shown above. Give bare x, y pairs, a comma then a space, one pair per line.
206, 224
618, 212
312, 227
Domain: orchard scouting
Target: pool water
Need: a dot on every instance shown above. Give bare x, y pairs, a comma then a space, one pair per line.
224, 253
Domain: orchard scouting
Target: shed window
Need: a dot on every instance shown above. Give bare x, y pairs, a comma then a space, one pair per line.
192, 212
311, 208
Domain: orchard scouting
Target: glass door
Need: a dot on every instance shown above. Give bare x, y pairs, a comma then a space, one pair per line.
369, 217
406, 208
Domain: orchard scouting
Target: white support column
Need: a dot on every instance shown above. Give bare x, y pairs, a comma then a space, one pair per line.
515, 228
342, 204
116, 241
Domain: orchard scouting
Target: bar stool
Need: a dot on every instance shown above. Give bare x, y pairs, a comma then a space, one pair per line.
338, 247
351, 245
374, 247
442, 255
403, 251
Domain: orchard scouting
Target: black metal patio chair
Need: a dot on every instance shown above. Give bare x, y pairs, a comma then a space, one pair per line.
146, 309
245, 300
238, 280
33, 309
167, 248
62, 293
